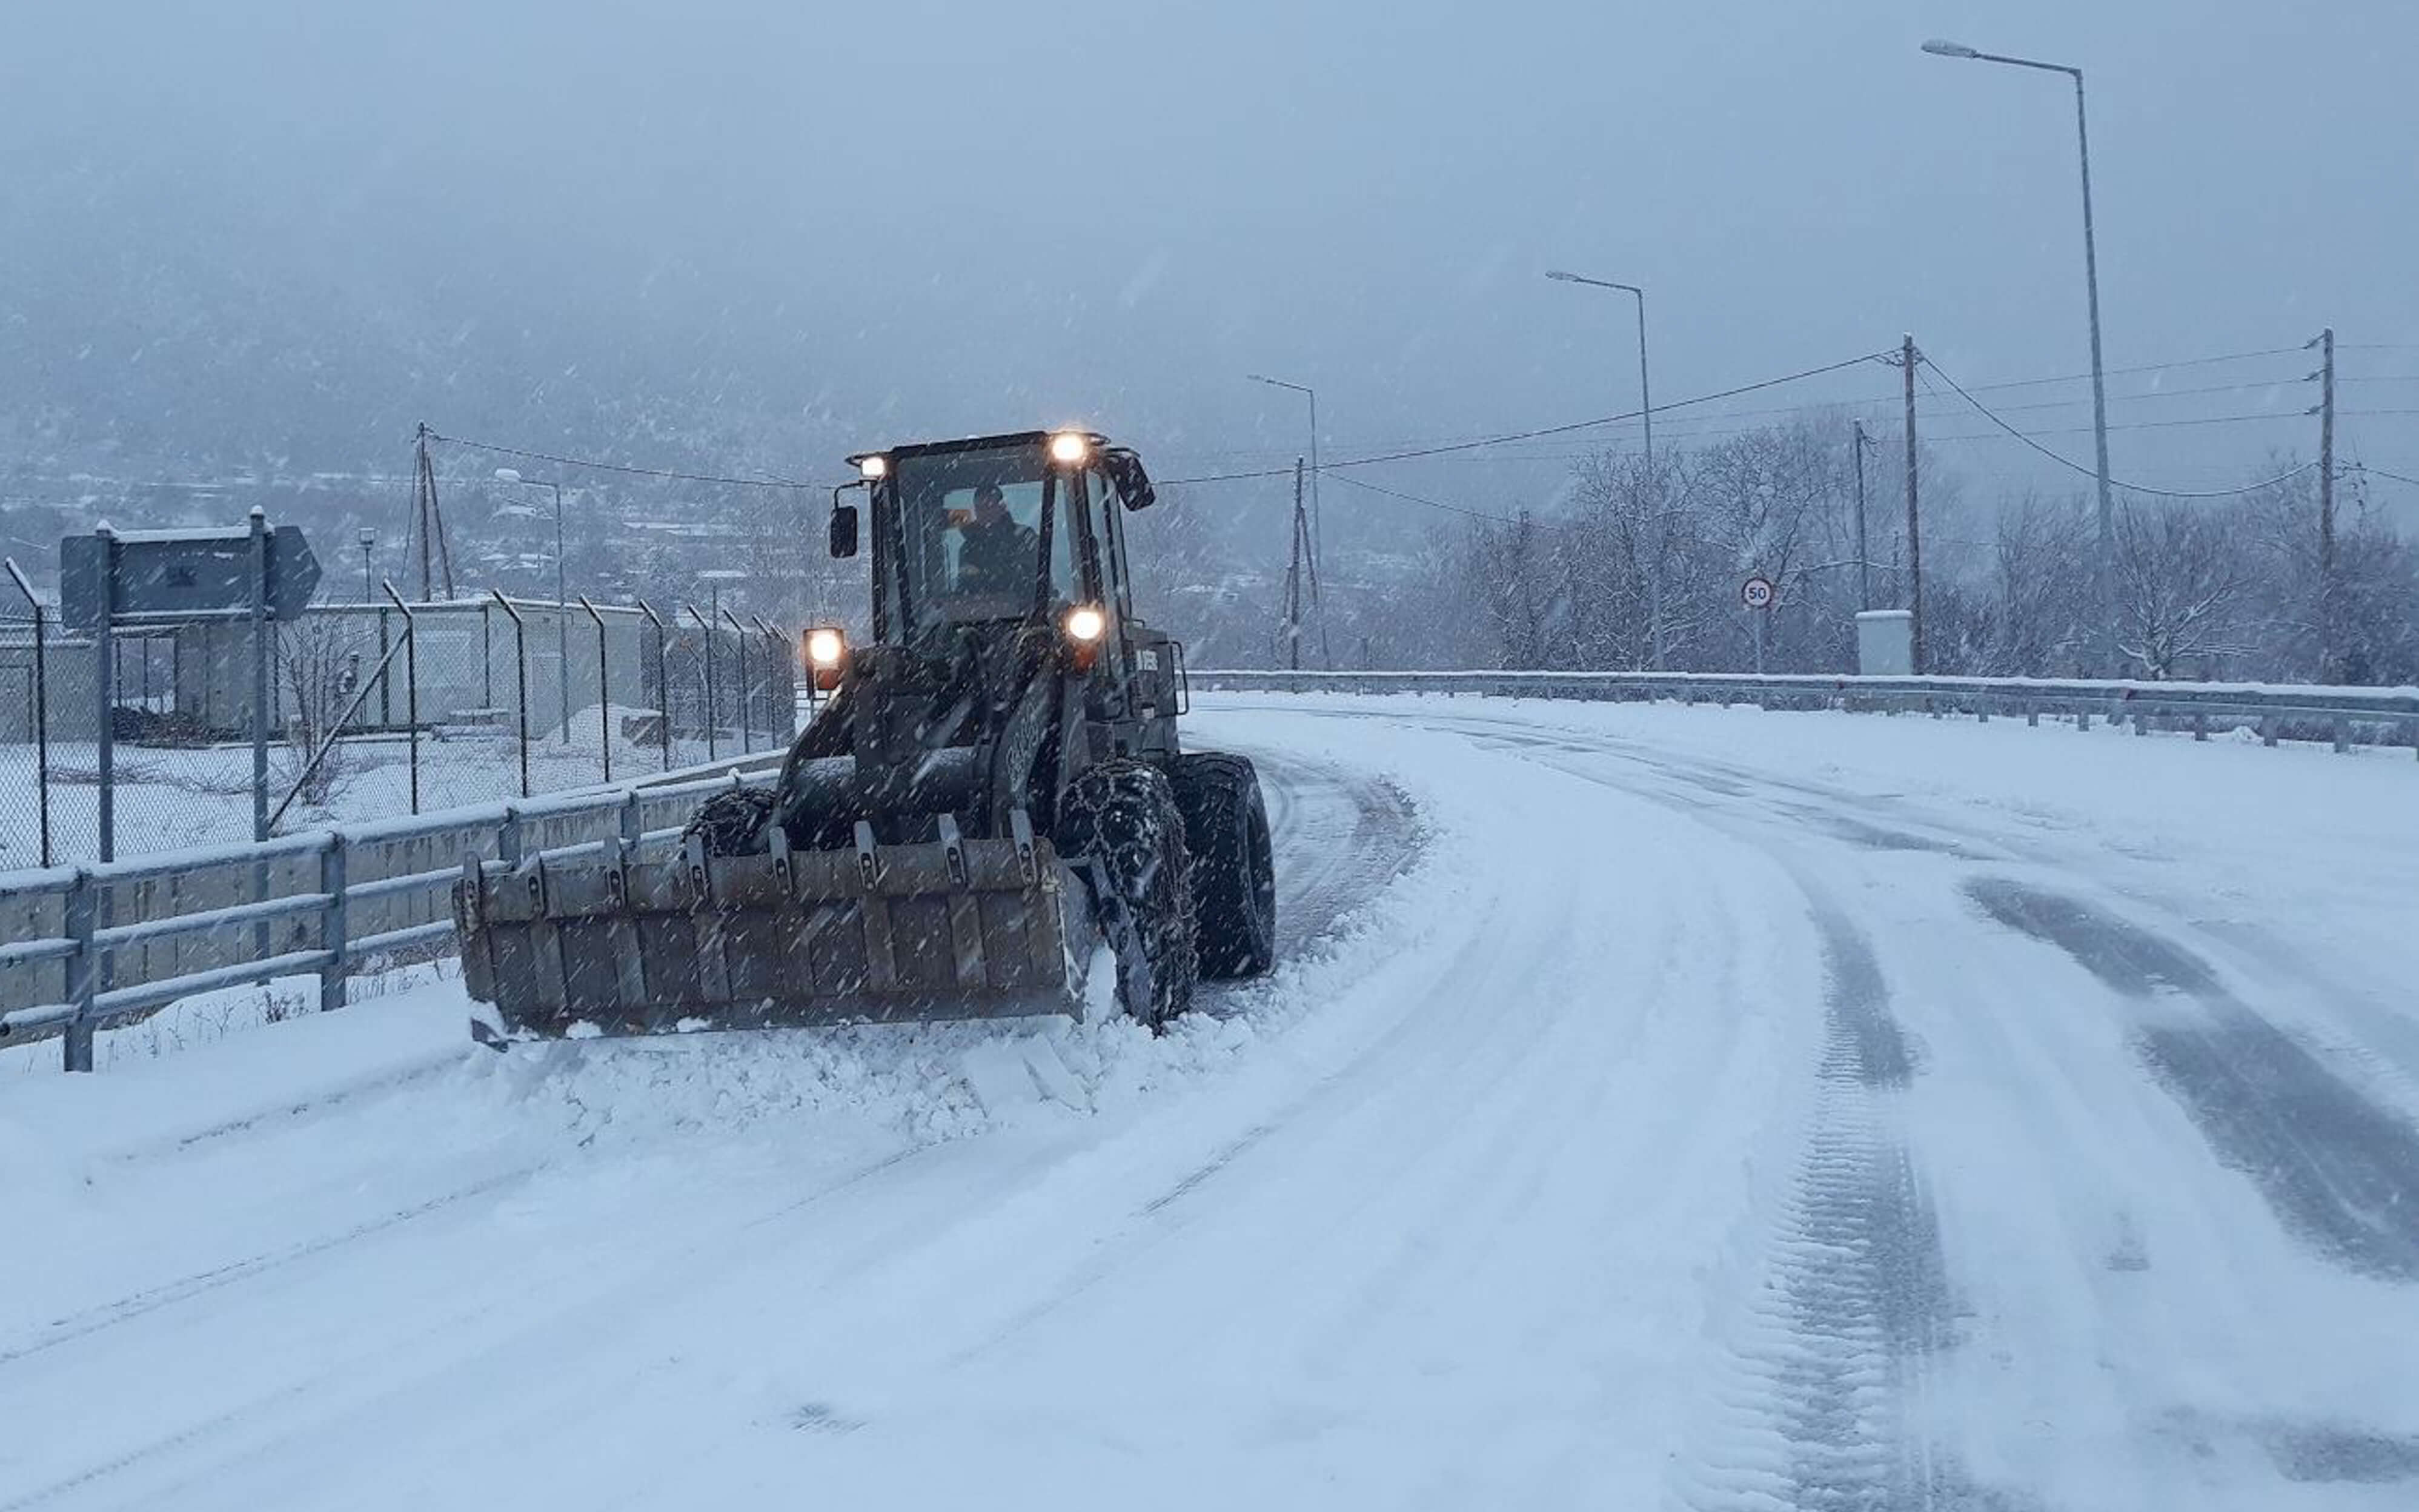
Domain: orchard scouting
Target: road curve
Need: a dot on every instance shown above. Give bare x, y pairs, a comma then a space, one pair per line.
1626, 1125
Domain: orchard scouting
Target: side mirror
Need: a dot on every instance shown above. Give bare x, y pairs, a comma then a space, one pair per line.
843, 531
1132, 484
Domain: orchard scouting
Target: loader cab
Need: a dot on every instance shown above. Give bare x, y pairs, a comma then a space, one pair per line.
996, 528
976, 540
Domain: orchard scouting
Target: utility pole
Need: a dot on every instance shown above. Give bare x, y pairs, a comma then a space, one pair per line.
428, 520
2330, 653
1290, 626
1318, 608
1864, 558
1907, 358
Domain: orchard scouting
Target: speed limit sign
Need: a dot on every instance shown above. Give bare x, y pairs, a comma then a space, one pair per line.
1756, 593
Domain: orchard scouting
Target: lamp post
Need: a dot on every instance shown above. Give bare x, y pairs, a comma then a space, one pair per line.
368, 539
1647, 417
1316, 537
2101, 575
561, 601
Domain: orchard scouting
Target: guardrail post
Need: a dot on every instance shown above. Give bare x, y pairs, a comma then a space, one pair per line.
2032, 715
2082, 718
2141, 722
83, 973
508, 836
634, 824
2343, 735
2200, 726
334, 927
2267, 729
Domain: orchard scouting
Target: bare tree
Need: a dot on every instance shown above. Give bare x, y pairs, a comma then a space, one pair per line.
320, 667
2040, 590
2182, 587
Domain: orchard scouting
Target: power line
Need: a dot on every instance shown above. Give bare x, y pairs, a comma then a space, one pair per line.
2145, 425
2363, 467
2145, 367
1543, 430
1416, 499
622, 467
2063, 461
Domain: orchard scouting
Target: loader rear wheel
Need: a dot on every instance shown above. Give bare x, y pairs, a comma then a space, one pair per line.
733, 821
1233, 875
1120, 824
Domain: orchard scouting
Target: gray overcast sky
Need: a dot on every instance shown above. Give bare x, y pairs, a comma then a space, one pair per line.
877, 221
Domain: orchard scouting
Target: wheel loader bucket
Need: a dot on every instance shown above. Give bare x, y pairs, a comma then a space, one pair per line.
580, 945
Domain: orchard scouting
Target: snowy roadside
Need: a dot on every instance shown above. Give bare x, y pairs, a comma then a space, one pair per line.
2302, 864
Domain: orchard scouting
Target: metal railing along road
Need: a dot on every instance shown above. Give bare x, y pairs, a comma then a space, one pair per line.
2342, 716
88, 947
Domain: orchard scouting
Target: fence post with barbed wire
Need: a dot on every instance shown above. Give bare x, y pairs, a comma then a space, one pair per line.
663, 682
37, 698
410, 684
705, 628
604, 690
739, 637
520, 680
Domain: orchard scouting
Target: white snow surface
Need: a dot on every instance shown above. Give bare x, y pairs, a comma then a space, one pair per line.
1722, 1109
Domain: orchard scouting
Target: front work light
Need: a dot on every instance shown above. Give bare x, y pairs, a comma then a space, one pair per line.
875, 467
1070, 448
1084, 624
827, 649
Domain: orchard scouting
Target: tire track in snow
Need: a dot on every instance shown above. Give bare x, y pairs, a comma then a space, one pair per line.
1857, 1300
2339, 1172
151, 1298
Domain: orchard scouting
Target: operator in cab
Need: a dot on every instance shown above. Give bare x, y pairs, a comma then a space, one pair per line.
995, 554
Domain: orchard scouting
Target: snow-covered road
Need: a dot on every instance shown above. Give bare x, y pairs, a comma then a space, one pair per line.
1654, 1106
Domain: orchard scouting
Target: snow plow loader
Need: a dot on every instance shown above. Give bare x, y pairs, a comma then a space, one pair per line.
990, 809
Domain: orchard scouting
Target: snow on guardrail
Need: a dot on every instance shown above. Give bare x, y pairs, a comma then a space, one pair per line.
2344, 717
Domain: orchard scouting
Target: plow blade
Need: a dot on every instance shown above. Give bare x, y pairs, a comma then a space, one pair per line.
953, 928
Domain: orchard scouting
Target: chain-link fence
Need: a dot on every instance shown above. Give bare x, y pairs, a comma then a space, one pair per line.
373, 709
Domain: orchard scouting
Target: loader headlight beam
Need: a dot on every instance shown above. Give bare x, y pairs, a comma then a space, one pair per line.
1070, 448
872, 468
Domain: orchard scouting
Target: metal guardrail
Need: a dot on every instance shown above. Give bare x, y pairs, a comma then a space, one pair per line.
323, 902
2342, 717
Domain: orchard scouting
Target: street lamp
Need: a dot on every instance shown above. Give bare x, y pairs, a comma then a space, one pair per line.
1317, 539
368, 539
562, 597
2102, 581
1646, 415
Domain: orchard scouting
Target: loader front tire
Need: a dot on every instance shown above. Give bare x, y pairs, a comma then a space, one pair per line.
731, 823
1120, 827
1234, 877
